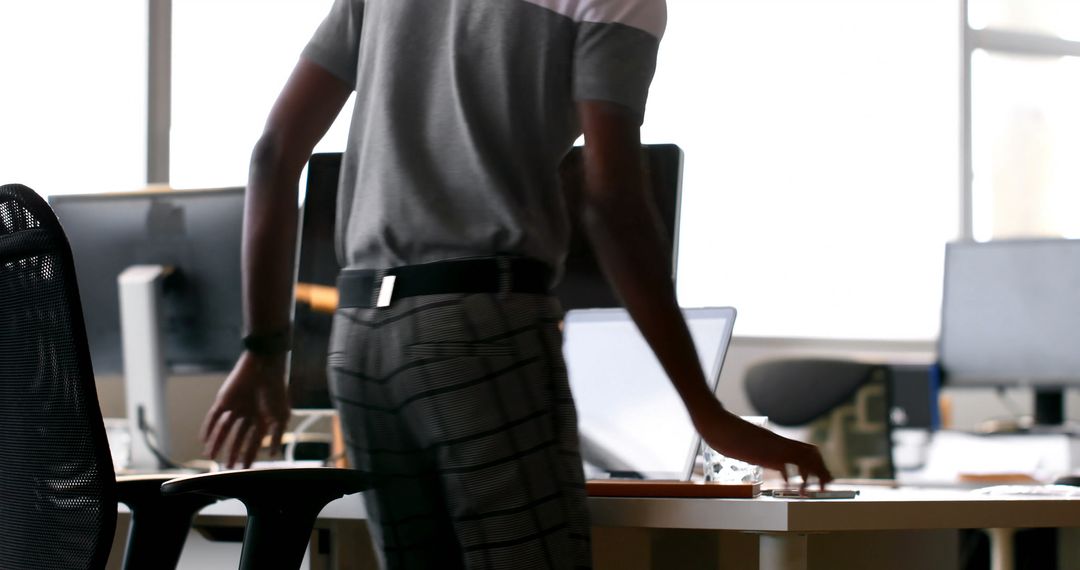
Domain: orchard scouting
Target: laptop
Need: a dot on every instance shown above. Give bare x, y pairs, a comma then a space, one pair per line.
633, 424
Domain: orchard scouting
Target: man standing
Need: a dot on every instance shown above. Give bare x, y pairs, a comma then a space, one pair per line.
445, 363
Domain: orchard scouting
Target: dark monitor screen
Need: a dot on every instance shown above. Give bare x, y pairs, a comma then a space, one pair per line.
583, 284
196, 232
316, 264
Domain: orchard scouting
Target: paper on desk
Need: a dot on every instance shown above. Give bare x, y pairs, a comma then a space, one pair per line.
953, 454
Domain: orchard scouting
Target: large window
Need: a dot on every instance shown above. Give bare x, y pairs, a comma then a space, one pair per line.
73, 95
230, 60
832, 146
822, 160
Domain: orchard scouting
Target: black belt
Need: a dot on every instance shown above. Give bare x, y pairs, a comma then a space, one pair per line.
366, 288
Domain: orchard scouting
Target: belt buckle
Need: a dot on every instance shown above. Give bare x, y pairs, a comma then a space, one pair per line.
386, 291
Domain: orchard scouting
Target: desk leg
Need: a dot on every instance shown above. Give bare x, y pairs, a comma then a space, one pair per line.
782, 551
1068, 548
352, 547
1002, 556
622, 549
346, 545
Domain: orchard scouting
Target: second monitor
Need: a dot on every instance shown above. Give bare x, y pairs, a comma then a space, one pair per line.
194, 232
159, 276
1009, 315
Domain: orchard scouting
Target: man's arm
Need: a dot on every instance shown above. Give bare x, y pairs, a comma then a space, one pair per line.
625, 231
253, 400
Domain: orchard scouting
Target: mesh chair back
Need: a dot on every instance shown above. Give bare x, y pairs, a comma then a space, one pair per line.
57, 486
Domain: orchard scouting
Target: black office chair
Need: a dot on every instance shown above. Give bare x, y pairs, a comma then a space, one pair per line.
282, 505
58, 490
57, 486
845, 404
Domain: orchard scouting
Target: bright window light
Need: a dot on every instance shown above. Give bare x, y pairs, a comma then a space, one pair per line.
1025, 144
230, 60
1053, 17
73, 95
822, 160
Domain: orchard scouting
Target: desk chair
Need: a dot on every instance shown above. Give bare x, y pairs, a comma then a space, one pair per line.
845, 404
58, 490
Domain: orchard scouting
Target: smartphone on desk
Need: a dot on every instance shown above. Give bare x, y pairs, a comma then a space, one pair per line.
811, 494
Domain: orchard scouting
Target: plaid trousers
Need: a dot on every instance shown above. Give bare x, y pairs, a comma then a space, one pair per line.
460, 407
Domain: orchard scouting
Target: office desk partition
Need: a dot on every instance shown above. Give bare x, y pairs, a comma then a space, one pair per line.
782, 525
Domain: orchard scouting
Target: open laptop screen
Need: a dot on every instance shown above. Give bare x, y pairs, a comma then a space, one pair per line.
631, 419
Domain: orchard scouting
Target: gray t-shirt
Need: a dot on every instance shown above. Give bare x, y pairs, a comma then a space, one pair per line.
465, 109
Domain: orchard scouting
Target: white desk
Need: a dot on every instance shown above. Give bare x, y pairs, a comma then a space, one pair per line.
784, 524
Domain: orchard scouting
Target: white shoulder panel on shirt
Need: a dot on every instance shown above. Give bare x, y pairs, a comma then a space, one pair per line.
649, 16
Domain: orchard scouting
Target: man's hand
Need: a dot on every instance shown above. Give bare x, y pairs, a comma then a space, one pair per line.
251, 403
731, 436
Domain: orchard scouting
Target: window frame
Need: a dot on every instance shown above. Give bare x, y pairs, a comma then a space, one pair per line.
159, 92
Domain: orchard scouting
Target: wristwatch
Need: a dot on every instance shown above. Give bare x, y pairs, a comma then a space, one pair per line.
268, 344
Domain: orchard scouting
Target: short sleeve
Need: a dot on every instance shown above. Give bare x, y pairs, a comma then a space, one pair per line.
336, 43
615, 50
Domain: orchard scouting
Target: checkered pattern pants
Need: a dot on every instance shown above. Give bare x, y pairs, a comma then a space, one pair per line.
461, 408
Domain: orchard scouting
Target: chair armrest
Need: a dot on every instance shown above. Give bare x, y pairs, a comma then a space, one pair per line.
159, 523
137, 491
282, 505
307, 484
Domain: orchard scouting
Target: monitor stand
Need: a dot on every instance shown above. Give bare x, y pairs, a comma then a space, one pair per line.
1049, 408
140, 289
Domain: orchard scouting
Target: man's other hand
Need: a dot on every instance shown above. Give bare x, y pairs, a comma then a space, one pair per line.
734, 437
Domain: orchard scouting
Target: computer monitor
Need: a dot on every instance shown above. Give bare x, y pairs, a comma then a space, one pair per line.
584, 285
196, 233
316, 264
631, 420
1010, 312
159, 277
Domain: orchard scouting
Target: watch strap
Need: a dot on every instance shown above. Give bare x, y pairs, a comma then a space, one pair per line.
268, 344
